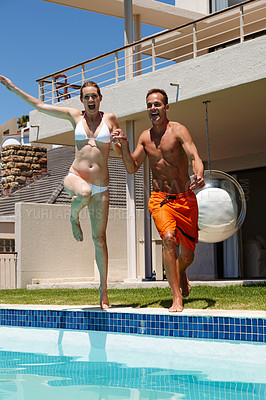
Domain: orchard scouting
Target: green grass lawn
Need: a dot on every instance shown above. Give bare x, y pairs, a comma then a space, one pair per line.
201, 297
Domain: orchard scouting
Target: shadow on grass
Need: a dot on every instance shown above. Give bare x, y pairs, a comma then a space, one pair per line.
166, 303
210, 302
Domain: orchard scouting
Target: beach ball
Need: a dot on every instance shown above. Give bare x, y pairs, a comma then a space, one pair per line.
222, 207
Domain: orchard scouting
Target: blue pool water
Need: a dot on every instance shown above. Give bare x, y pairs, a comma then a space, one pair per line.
86, 365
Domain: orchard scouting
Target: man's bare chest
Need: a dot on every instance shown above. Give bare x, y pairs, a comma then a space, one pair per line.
170, 152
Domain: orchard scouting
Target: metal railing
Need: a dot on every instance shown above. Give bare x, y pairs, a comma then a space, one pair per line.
8, 270
218, 30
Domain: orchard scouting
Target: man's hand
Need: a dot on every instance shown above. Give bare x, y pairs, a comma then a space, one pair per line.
118, 136
197, 183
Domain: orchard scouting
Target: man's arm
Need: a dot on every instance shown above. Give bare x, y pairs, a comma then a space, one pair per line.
133, 161
50, 109
115, 144
192, 154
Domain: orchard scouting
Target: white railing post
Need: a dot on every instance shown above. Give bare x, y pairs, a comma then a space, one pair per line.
153, 54
41, 91
116, 68
83, 74
194, 41
53, 90
129, 67
241, 24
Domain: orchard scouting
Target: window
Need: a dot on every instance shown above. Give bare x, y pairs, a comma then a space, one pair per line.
7, 245
234, 2
25, 140
6, 132
217, 5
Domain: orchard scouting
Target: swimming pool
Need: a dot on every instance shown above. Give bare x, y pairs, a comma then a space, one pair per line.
73, 363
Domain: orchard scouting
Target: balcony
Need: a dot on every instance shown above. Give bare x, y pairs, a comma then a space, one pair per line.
235, 25
220, 58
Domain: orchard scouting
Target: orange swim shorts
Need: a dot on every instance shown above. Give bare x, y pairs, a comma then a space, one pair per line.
176, 212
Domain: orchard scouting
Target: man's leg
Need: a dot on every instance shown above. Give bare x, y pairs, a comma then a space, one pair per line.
80, 191
172, 272
186, 258
99, 208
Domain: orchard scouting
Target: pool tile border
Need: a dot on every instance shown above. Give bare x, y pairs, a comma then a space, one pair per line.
163, 325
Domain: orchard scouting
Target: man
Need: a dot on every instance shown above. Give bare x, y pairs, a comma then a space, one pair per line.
172, 204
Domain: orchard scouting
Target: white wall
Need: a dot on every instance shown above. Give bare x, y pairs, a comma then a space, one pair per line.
45, 246
201, 6
47, 250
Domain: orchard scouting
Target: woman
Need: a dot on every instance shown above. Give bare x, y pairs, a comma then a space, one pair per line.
88, 178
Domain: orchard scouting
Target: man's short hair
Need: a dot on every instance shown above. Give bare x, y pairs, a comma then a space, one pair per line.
165, 97
90, 83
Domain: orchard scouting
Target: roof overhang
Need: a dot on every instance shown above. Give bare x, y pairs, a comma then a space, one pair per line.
151, 12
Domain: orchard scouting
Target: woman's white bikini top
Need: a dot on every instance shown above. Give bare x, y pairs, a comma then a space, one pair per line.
103, 136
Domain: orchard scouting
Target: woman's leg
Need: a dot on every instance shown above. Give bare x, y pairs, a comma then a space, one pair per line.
80, 191
99, 208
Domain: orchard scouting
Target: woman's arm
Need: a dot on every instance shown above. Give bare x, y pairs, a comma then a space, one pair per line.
50, 109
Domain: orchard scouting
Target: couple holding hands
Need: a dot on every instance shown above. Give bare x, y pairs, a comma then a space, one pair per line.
169, 148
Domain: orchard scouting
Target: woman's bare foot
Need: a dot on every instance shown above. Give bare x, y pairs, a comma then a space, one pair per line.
76, 229
104, 301
184, 284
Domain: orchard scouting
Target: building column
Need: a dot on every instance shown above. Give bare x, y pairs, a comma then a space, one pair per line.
128, 38
131, 212
137, 36
147, 222
128, 22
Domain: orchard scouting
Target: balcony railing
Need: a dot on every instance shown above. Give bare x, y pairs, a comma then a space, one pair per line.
224, 28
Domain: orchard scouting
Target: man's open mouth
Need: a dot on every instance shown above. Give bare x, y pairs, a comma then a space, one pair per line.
91, 106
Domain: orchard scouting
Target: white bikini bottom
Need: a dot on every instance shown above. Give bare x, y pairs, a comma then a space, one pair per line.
94, 188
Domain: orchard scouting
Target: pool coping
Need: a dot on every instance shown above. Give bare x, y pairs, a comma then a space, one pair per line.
147, 310
233, 325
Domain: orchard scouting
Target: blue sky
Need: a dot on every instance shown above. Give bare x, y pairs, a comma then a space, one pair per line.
39, 38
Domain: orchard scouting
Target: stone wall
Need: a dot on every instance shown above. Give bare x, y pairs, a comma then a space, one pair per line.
21, 165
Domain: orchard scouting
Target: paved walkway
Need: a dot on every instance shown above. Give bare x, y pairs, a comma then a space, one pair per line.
64, 284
